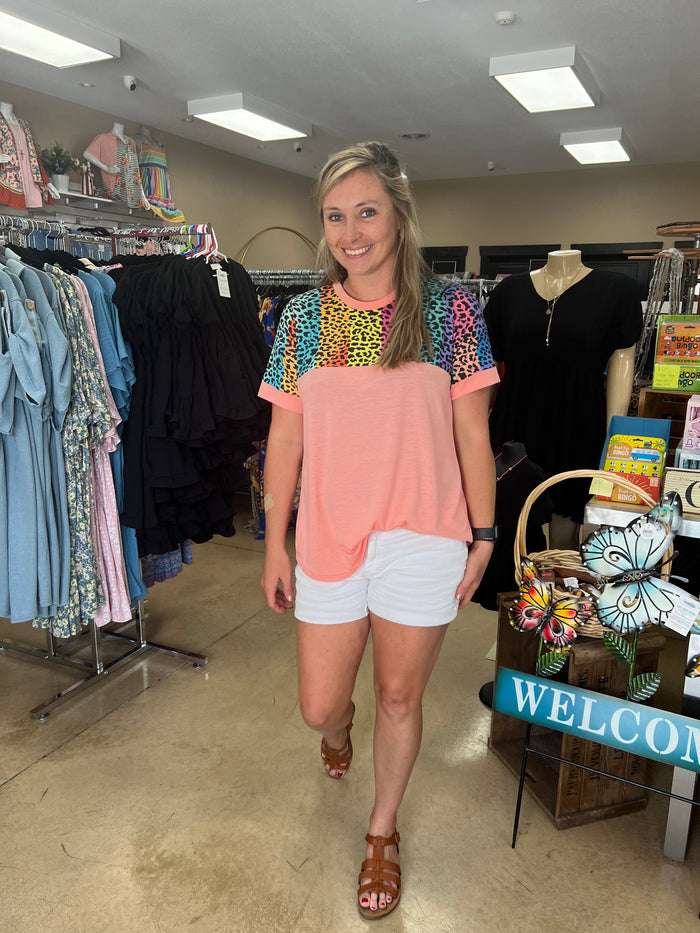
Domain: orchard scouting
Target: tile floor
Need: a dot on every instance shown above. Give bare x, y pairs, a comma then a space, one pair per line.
169, 799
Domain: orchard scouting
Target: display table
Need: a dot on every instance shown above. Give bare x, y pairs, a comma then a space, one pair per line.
599, 512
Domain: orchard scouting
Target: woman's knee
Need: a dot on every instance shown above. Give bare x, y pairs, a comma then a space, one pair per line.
398, 701
318, 712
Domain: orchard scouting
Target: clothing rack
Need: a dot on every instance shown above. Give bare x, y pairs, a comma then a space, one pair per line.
675, 279
25, 231
285, 277
482, 288
96, 669
63, 652
197, 239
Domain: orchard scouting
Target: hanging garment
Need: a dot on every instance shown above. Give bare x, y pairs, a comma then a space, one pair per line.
23, 169
105, 519
552, 398
30, 188
24, 534
198, 358
86, 422
119, 371
154, 175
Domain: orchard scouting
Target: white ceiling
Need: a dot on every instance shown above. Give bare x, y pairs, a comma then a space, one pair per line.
374, 69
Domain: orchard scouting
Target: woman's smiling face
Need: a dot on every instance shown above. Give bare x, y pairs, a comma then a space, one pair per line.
361, 230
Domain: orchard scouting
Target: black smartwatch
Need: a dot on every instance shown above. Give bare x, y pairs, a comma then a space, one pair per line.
485, 534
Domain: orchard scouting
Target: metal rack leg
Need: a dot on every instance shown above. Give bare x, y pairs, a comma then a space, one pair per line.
96, 669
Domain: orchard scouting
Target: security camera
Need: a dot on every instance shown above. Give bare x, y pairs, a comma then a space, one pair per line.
130, 82
491, 166
298, 147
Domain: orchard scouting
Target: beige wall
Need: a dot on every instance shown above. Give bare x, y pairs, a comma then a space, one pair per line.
593, 205
237, 196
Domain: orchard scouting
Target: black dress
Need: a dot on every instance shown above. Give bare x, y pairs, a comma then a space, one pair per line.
199, 358
552, 398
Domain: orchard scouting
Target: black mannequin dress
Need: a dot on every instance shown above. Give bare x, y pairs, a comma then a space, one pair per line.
552, 397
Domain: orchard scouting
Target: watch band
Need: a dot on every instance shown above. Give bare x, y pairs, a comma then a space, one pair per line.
485, 534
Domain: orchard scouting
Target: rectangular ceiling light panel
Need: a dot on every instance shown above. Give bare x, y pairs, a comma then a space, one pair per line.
249, 116
556, 79
592, 147
44, 43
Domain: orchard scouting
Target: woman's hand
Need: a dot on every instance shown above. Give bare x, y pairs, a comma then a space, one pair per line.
277, 581
479, 555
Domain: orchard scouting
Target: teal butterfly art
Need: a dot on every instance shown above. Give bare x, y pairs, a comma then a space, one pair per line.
627, 560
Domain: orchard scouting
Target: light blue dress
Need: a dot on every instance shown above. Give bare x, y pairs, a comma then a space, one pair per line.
24, 573
56, 362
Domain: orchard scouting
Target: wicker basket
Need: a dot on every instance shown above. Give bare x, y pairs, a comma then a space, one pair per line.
569, 563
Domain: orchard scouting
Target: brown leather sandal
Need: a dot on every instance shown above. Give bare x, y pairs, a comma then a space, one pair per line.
338, 759
378, 876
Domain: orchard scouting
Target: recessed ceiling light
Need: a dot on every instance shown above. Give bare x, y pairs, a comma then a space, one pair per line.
86, 84
414, 137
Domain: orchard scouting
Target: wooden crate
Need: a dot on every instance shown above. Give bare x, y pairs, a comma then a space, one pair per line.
571, 796
669, 405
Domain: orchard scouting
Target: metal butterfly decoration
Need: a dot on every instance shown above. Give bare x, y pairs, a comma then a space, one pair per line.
554, 620
626, 559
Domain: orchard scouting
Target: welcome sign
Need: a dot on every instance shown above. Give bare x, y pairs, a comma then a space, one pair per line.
642, 730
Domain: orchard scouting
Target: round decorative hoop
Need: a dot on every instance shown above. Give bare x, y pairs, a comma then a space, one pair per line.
569, 563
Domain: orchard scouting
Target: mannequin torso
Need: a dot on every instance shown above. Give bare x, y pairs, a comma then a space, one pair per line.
109, 169
563, 269
558, 331
8, 113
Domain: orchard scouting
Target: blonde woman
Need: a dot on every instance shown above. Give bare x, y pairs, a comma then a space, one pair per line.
381, 379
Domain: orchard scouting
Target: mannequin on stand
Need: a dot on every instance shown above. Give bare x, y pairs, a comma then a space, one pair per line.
114, 153
23, 181
559, 330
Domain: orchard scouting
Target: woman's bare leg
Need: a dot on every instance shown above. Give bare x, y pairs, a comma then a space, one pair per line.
328, 658
404, 657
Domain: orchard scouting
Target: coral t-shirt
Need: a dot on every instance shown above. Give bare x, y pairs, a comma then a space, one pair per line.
379, 448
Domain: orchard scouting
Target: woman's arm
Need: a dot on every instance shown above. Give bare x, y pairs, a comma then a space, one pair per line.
281, 475
476, 463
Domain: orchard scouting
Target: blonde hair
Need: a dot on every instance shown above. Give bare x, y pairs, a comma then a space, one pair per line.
408, 335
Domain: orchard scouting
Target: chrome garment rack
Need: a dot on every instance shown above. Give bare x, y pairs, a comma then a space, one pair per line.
25, 231
188, 240
64, 652
96, 669
262, 277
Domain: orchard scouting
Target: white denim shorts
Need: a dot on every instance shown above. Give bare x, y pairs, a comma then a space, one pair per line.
405, 577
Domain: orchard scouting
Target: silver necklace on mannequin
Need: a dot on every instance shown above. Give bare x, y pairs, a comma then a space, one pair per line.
551, 302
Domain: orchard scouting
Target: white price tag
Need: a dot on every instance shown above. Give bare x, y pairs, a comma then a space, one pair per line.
683, 615
222, 282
